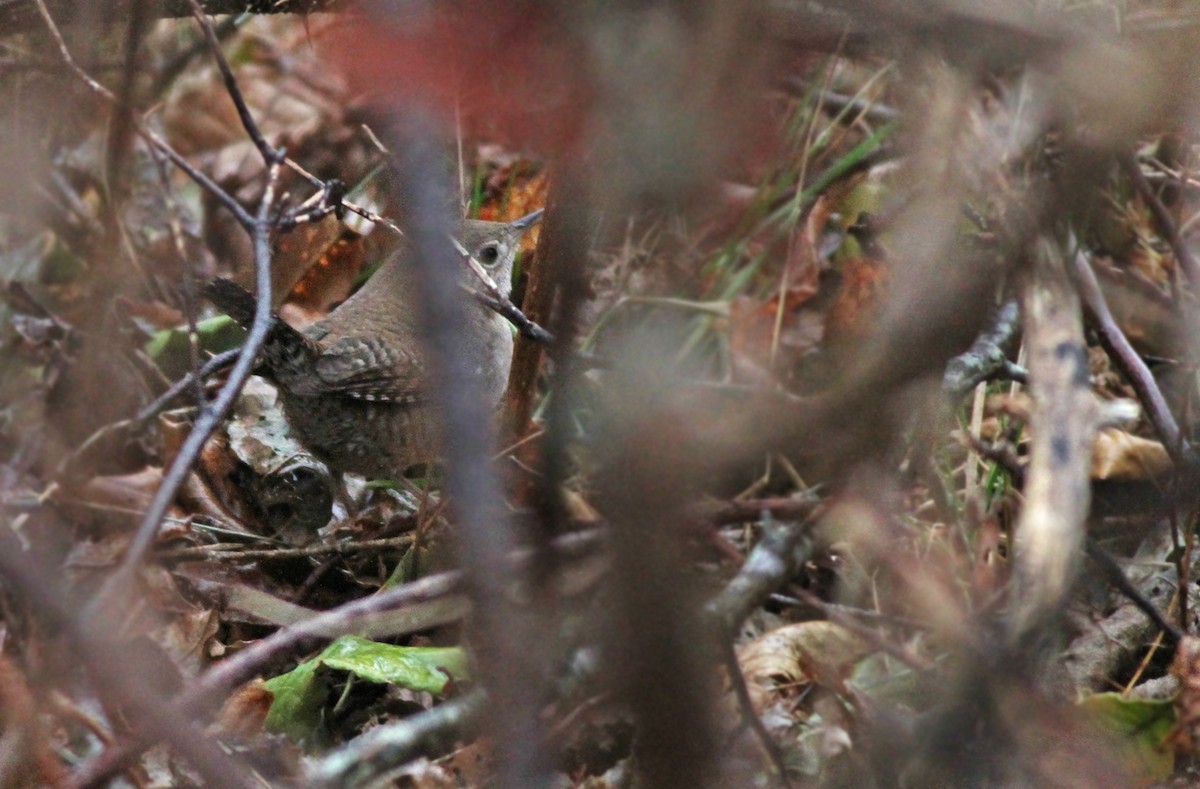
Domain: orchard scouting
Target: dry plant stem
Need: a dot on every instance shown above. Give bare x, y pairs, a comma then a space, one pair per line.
513, 315
562, 260
224, 553
970, 484
385, 748
1122, 352
555, 253
1050, 533
115, 678
1166, 223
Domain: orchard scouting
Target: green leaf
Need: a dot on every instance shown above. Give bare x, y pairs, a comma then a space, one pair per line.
169, 347
300, 695
298, 698
417, 668
1139, 729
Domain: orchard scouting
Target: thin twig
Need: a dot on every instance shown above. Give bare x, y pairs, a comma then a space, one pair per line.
1122, 352
384, 748
841, 617
1166, 223
748, 510
243, 217
223, 553
768, 566
737, 681
265, 149
512, 313
1116, 576
210, 418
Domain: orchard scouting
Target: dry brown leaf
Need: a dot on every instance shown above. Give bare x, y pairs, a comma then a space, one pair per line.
326, 273
1016, 404
798, 655
244, 712
472, 764
290, 100
29, 751
863, 280
1117, 455
752, 333
124, 492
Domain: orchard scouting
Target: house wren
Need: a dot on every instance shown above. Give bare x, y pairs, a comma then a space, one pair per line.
353, 384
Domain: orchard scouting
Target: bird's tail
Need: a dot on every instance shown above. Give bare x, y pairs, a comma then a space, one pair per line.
285, 350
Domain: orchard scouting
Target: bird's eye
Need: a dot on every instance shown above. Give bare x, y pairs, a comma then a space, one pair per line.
488, 255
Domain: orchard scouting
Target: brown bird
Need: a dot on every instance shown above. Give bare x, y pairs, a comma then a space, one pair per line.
353, 384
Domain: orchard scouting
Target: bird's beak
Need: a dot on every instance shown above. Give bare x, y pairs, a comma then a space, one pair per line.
527, 221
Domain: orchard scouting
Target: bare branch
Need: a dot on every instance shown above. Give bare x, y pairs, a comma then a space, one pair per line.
1049, 536
1123, 353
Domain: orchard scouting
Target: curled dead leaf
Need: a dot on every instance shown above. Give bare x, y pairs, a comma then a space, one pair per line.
1118, 455
244, 712
795, 656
